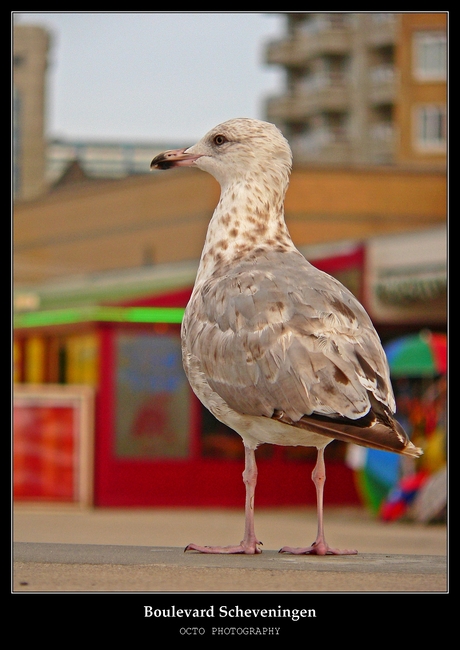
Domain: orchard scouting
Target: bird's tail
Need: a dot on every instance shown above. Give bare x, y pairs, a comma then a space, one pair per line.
367, 432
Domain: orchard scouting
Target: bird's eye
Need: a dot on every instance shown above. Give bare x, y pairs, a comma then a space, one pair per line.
219, 140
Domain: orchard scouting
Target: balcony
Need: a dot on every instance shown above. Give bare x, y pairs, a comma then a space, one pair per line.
322, 145
381, 29
319, 93
382, 84
382, 138
304, 46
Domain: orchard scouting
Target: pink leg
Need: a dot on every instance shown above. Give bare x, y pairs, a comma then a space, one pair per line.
319, 546
250, 544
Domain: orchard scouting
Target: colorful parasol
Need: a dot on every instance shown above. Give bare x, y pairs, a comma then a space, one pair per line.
378, 474
402, 496
418, 355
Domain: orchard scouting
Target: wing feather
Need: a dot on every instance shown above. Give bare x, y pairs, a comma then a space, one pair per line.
299, 343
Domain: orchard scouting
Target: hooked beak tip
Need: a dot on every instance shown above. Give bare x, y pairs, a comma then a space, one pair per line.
173, 158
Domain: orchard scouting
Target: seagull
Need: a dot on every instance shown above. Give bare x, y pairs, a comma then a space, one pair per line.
276, 349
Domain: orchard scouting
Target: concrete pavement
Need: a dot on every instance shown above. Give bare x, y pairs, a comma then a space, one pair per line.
62, 549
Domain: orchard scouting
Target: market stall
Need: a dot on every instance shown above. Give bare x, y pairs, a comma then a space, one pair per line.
154, 443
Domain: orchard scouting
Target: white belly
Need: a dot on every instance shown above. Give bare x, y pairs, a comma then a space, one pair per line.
254, 430
257, 430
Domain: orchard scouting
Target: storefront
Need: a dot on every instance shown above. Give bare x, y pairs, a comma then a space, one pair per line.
154, 443
406, 279
150, 442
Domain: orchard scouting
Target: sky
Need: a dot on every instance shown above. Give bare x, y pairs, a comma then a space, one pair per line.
154, 76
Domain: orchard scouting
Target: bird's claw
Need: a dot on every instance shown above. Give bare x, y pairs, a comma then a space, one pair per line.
242, 548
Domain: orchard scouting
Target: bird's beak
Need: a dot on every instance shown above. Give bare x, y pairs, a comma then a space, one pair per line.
174, 158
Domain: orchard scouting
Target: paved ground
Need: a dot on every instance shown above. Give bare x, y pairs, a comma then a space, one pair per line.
69, 550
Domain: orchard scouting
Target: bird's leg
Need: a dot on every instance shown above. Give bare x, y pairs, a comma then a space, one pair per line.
250, 544
319, 546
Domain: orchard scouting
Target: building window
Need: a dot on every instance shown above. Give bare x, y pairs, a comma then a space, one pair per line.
430, 128
430, 56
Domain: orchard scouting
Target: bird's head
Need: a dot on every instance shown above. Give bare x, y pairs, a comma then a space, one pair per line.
234, 151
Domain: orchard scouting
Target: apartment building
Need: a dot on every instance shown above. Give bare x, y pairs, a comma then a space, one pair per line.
30, 61
356, 85
421, 113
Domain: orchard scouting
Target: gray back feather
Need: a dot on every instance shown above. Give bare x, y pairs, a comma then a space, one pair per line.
298, 342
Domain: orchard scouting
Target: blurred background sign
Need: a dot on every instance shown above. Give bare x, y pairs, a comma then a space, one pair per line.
53, 444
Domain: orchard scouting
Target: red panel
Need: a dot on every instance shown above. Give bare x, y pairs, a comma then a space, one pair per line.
104, 416
332, 265
44, 452
219, 483
121, 482
177, 298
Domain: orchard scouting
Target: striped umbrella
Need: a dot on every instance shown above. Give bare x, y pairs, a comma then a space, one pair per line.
418, 355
